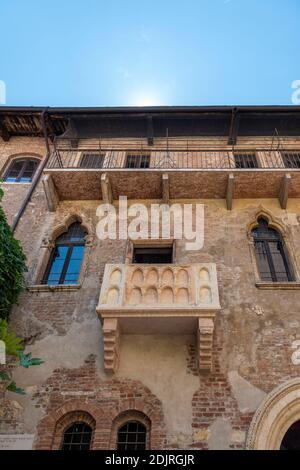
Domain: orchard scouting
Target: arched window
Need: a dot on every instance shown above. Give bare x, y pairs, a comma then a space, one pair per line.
291, 440
66, 258
21, 170
77, 437
132, 436
271, 254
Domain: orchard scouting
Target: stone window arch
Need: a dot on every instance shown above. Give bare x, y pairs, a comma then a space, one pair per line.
131, 430
66, 257
274, 417
271, 251
49, 243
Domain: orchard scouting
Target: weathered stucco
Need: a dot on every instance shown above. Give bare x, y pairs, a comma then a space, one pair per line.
253, 337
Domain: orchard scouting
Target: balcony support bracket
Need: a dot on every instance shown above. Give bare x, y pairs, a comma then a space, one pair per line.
165, 188
284, 191
50, 193
205, 343
111, 340
229, 191
106, 189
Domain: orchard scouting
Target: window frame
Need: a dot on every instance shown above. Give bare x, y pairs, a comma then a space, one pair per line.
243, 153
70, 245
155, 248
85, 155
139, 159
63, 443
26, 160
126, 416
126, 423
289, 158
265, 241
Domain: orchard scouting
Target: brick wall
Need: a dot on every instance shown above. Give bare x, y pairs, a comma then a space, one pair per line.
253, 336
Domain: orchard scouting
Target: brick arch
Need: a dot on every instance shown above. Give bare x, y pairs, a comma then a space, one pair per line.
145, 403
52, 426
138, 404
66, 421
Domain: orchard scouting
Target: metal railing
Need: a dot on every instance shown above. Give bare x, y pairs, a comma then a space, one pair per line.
172, 158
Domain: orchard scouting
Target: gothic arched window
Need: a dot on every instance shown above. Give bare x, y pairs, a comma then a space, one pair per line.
66, 257
271, 254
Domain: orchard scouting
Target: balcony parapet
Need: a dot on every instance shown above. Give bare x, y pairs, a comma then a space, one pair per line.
91, 173
161, 298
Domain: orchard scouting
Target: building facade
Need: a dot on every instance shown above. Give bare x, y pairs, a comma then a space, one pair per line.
148, 342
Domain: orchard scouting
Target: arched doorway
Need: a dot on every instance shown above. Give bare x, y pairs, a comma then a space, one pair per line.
291, 439
274, 423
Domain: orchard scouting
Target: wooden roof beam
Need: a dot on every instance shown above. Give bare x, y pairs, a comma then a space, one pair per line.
150, 131
4, 131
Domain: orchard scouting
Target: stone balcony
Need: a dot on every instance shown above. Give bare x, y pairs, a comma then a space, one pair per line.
158, 298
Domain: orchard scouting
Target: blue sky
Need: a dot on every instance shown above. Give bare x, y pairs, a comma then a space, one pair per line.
149, 52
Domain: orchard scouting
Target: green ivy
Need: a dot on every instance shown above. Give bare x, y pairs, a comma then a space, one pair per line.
12, 266
13, 344
12, 269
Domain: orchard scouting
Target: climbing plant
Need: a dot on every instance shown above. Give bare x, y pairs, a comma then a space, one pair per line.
12, 266
12, 269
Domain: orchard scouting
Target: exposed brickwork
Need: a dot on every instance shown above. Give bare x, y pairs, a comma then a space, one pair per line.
253, 335
69, 391
214, 399
16, 147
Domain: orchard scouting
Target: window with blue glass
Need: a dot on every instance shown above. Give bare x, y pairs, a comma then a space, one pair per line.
66, 259
21, 170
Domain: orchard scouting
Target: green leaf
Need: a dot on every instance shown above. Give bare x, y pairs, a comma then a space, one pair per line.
12, 266
12, 387
4, 376
13, 344
26, 360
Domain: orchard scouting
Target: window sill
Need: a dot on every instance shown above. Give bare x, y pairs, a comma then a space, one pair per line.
16, 182
52, 288
278, 285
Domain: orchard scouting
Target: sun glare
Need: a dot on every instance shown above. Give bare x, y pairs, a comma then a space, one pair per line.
145, 100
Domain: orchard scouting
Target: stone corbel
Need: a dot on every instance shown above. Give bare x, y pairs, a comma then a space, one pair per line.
165, 188
111, 341
48, 242
50, 193
205, 343
106, 189
284, 191
89, 240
